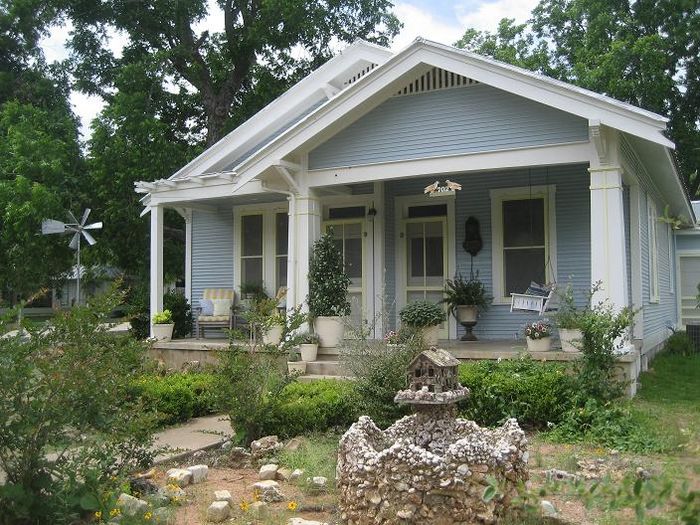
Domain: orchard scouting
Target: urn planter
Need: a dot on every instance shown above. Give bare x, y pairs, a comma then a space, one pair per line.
273, 336
539, 345
430, 335
309, 351
467, 315
569, 338
163, 331
329, 330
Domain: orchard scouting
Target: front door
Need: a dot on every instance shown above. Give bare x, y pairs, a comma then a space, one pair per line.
425, 260
349, 237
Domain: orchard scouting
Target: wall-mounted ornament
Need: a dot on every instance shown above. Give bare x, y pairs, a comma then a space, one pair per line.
445, 189
472, 237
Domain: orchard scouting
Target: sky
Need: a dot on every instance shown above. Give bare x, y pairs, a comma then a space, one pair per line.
443, 21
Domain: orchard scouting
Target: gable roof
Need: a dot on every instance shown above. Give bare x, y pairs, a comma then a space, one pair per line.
437, 356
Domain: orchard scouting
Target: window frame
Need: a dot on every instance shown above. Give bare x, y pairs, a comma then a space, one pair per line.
498, 197
652, 250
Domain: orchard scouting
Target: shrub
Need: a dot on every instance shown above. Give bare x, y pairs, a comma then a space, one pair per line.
680, 344
67, 426
328, 282
535, 393
181, 310
138, 310
175, 398
421, 314
312, 407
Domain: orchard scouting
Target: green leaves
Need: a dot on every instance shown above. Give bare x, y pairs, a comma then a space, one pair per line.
328, 282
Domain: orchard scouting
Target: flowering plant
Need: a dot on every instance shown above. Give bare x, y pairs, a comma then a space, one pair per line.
392, 338
538, 329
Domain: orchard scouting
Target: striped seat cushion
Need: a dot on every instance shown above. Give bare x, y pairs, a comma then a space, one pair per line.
213, 318
218, 293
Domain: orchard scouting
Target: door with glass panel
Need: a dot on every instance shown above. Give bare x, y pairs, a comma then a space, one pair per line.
425, 256
349, 237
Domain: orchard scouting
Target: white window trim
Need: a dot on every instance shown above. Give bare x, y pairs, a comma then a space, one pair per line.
671, 264
269, 256
498, 196
653, 249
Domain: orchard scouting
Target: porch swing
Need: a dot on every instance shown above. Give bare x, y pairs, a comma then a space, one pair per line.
538, 298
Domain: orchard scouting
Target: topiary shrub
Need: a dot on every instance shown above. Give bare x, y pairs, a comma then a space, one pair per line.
533, 392
328, 282
421, 314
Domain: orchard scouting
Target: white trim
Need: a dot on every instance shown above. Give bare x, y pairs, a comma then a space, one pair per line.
156, 263
269, 256
498, 196
679, 295
636, 259
653, 250
401, 205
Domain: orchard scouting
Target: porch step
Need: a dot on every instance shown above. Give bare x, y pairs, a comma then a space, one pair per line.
324, 367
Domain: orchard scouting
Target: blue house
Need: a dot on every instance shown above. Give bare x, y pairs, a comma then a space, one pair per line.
565, 185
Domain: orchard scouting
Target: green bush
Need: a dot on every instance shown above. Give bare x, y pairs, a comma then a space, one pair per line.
312, 407
421, 314
680, 344
177, 397
533, 392
181, 310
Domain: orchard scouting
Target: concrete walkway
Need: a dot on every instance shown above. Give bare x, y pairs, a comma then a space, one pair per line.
198, 432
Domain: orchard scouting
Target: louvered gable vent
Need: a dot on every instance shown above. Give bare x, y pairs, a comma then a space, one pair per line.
435, 80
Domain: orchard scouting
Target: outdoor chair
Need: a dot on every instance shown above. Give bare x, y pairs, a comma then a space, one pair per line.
221, 315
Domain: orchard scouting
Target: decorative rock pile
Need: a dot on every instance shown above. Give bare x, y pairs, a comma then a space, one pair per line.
430, 467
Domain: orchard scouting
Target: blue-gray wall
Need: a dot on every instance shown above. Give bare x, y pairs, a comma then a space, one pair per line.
453, 121
573, 234
212, 251
688, 242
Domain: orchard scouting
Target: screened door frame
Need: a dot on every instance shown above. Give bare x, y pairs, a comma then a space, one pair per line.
498, 196
269, 254
401, 206
679, 283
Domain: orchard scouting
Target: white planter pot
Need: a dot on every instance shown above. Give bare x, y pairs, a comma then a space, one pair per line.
308, 352
430, 335
539, 345
273, 336
296, 367
329, 330
163, 332
467, 314
570, 337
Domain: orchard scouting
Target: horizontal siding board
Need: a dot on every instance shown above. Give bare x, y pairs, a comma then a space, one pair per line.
688, 242
212, 251
455, 121
573, 235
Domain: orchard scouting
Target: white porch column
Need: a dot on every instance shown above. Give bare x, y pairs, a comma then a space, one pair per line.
608, 250
377, 276
308, 230
156, 260
292, 251
188, 254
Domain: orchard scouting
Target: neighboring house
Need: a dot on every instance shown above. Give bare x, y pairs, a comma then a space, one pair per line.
93, 281
566, 185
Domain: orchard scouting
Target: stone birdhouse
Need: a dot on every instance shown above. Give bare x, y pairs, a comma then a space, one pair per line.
435, 369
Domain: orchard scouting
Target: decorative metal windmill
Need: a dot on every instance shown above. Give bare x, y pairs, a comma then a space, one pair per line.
50, 226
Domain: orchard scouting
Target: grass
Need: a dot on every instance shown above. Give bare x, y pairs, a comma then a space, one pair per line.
316, 456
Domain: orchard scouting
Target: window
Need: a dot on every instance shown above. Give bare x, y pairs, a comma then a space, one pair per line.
281, 248
523, 239
252, 249
653, 247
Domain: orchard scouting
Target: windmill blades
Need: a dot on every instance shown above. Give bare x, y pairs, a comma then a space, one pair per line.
89, 238
50, 226
72, 218
84, 219
75, 241
93, 226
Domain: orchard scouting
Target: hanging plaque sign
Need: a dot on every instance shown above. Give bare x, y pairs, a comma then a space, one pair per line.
444, 189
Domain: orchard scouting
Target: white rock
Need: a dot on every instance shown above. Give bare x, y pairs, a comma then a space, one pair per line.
302, 521
257, 507
218, 511
548, 509
264, 446
178, 476
131, 506
199, 473
296, 474
266, 484
268, 471
283, 474
269, 491
223, 495
319, 482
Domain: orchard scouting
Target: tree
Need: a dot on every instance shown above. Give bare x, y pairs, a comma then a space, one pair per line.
252, 60
645, 52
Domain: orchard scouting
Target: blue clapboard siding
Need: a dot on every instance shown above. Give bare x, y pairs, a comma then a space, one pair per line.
688, 242
573, 234
453, 121
212, 251
656, 315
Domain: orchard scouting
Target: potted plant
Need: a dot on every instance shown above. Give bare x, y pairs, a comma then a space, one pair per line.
294, 364
163, 325
267, 319
539, 336
465, 299
308, 346
251, 292
328, 291
425, 316
568, 319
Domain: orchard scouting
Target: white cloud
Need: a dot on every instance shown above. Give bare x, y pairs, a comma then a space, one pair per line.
488, 14
86, 107
420, 22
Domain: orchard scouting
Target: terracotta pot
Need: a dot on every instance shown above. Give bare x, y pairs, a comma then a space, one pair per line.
273, 336
296, 367
308, 352
430, 335
163, 332
569, 338
539, 345
467, 313
329, 330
